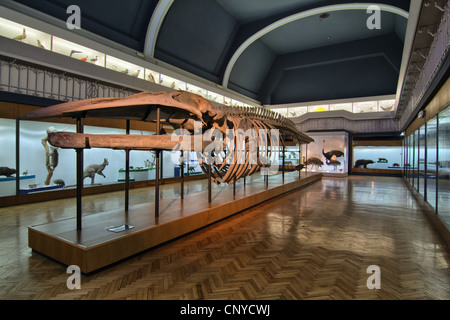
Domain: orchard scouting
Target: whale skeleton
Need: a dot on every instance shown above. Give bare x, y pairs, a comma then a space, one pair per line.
245, 139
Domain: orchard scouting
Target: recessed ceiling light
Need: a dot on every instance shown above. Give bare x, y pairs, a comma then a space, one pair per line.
324, 15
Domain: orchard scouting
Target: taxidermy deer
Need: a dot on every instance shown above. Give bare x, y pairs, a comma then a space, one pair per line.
93, 169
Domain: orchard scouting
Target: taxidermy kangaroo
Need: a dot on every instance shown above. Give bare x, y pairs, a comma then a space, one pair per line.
93, 169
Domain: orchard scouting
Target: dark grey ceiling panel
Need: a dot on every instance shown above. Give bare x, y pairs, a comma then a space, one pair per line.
348, 79
252, 67
124, 22
195, 34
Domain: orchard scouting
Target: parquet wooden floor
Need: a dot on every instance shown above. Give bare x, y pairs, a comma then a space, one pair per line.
314, 243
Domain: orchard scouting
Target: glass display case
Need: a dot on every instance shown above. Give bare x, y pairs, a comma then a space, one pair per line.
427, 168
366, 106
443, 196
378, 157
342, 106
173, 83
212, 96
319, 108
78, 52
196, 90
152, 76
386, 105
125, 67
328, 153
44, 168
297, 111
8, 160
282, 111
431, 154
25, 34
292, 157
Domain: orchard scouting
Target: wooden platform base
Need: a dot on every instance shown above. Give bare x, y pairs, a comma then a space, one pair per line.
95, 247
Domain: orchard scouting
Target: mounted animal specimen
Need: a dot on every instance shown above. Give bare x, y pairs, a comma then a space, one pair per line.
91, 170
331, 155
7, 172
51, 156
314, 162
59, 182
333, 163
243, 139
191, 169
363, 163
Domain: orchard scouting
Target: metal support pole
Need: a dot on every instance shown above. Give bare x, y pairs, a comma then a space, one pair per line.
437, 165
157, 166
161, 164
17, 157
79, 177
284, 156
182, 174
188, 162
209, 182
306, 158
127, 170
299, 158
425, 186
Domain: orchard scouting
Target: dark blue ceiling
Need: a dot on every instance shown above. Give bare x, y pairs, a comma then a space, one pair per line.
309, 59
124, 22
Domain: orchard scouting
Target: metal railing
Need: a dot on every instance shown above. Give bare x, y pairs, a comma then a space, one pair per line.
22, 77
433, 62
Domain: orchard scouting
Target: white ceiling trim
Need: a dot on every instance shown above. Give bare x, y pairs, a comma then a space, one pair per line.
156, 21
301, 15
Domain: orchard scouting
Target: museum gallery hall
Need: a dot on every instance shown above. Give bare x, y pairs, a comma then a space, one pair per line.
219, 150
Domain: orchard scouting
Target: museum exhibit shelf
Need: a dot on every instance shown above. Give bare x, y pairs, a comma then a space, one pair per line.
34, 151
28, 190
327, 154
138, 174
97, 245
292, 156
377, 157
8, 184
359, 105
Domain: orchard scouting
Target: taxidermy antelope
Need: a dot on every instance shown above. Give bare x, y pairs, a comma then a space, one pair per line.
93, 169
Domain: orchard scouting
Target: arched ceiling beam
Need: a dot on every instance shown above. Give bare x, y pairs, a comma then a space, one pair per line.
157, 19
301, 15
